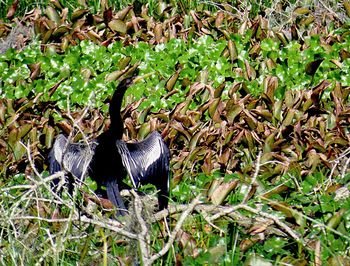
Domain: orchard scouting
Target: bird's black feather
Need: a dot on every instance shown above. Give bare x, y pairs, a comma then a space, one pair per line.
75, 158
147, 161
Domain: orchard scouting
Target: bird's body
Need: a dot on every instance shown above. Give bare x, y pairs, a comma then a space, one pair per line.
109, 159
107, 169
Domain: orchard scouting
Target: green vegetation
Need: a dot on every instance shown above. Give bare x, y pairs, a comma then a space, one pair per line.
252, 98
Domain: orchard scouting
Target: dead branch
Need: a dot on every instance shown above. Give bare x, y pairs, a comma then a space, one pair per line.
143, 236
255, 176
112, 225
177, 228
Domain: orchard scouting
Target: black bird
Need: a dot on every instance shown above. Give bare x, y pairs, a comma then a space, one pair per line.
108, 159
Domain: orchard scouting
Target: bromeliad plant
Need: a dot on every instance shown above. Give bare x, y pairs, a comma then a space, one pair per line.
257, 123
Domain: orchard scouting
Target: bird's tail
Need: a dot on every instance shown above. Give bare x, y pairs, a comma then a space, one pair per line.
115, 197
163, 194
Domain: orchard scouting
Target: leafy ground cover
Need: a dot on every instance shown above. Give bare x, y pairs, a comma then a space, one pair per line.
256, 117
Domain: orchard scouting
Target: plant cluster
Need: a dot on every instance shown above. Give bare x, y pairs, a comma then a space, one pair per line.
257, 120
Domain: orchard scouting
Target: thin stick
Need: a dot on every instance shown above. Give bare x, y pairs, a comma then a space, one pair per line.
143, 236
105, 223
177, 228
255, 176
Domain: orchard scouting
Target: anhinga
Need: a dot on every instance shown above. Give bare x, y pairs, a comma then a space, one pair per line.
108, 159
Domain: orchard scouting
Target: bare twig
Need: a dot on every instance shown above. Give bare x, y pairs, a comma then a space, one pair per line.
208, 208
112, 225
318, 258
345, 168
306, 217
330, 10
336, 162
228, 210
223, 10
255, 176
173, 234
206, 216
42, 181
143, 236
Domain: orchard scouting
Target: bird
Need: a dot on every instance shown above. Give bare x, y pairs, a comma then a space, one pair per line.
108, 158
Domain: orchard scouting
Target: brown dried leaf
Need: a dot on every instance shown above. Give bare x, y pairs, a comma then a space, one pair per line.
269, 143
93, 36
249, 242
195, 139
105, 203
207, 166
196, 19
213, 107
158, 32
49, 136
12, 10
64, 126
307, 21
232, 110
264, 113
276, 190
225, 157
114, 75
178, 127
233, 50
144, 130
78, 13
301, 11
337, 63
219, 190
254, 50
250, 71
312, 67
270, 85
35, 71
218, 91
117, 25
55, 87
169, 85
53, 15
250, 119
122, 13
187, 243
289, 117
60, 31
107, 15
219, 19
47, 35
344, 54
260, 227
282, 37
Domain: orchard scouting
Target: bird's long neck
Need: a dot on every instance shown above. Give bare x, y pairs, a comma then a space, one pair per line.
117, 125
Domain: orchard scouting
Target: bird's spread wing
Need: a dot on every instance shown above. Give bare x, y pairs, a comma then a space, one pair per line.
146, 161
72, 157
